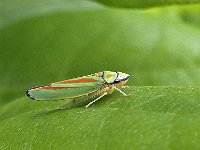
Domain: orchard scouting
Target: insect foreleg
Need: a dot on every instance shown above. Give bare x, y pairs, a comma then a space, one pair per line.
120, 91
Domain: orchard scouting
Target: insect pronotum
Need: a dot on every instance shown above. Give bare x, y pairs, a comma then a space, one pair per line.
94, 87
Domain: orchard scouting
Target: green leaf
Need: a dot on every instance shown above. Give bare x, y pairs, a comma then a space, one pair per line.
154, 118
51, 40
13, 11
146, 3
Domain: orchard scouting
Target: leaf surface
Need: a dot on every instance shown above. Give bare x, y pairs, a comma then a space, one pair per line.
154, 118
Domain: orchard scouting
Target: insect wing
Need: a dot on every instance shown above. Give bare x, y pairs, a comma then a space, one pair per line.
66, 89
79, 82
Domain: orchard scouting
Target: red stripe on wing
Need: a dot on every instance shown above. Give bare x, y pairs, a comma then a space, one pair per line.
43, 87
53, 88
48, 87
82, 80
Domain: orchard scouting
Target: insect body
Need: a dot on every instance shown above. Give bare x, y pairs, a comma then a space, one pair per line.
92, 86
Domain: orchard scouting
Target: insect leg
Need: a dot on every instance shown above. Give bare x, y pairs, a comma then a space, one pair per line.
121, 92
104, 94
67, 105
125, 87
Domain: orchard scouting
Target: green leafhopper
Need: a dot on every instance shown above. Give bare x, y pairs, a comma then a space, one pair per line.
94, 86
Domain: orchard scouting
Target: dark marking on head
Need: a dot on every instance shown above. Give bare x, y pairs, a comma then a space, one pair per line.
102, 76
117, 75
124, 79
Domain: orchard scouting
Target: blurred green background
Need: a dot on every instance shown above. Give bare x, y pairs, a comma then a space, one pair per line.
46, 41
156, 42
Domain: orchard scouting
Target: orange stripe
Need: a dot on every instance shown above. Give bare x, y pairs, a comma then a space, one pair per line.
53, 88
82, 80
48, 88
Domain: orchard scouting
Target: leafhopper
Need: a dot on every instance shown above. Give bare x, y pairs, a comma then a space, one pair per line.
94, 87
